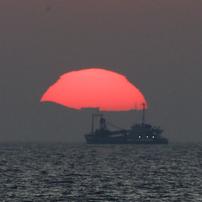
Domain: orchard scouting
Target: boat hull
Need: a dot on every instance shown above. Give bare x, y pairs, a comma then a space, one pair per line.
92, 139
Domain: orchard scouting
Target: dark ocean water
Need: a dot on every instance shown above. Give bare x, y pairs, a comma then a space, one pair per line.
81, 172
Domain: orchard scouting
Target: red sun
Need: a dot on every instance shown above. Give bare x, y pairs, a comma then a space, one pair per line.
95, 87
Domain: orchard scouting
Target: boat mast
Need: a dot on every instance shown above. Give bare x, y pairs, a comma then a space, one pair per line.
92, 123
93, 120
143, 117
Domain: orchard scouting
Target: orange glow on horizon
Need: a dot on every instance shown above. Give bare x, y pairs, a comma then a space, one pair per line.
91, 88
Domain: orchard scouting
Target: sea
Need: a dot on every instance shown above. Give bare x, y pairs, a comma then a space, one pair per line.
80, 172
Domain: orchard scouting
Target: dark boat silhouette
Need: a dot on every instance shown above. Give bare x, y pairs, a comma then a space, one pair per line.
138, 134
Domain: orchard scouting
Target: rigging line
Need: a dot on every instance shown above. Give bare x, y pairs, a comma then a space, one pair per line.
113, 125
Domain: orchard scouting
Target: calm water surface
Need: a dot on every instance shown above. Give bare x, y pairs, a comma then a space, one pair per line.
81, 172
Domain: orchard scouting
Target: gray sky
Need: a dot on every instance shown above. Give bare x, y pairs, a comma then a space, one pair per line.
156, 44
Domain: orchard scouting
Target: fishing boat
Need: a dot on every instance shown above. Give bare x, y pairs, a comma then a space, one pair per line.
138, 134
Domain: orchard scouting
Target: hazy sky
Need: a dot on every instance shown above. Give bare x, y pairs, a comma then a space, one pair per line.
156, 44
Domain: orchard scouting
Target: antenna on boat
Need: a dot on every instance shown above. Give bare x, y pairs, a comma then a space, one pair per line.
143, 117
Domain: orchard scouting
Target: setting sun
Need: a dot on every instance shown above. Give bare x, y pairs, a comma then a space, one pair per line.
95, 87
